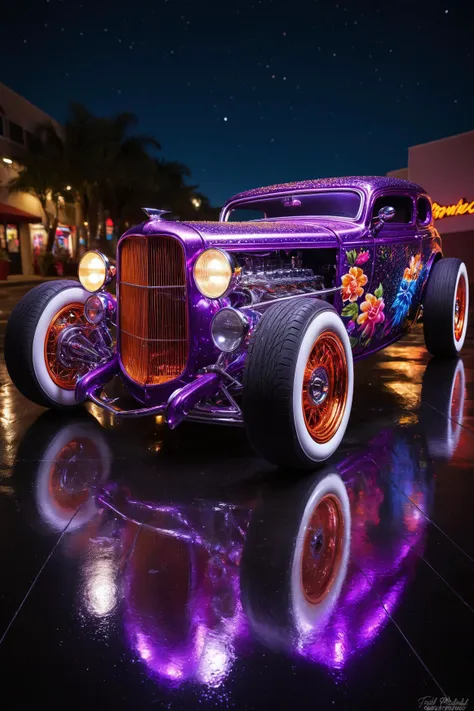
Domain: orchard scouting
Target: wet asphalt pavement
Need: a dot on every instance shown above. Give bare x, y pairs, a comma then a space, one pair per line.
148, 569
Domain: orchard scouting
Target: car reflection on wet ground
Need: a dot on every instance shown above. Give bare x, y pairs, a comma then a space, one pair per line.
143, 567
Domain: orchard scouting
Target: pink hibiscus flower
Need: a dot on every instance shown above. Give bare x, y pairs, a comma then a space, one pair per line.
363, 257
371, 314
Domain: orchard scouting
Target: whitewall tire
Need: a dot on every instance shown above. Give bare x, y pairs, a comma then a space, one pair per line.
66, 487
25, 338
298, 383
288, 592
446, 308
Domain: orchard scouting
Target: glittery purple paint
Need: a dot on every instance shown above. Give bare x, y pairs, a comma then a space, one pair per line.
374, 303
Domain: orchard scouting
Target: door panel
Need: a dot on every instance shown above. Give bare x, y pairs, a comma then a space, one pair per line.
389, 300
399, 272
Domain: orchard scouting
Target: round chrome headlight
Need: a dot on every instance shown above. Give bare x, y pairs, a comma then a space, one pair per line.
228, 329
95, 308
95, 271
213, 273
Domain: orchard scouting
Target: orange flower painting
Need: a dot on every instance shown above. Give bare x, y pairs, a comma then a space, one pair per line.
412, 272
352, 284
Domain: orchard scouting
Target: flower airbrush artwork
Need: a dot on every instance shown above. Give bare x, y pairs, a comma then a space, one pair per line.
362, 323
371, 312
352, 284
406, 290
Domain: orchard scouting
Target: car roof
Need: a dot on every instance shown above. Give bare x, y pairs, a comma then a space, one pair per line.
367, 183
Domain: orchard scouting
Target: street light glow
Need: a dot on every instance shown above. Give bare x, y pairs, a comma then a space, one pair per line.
8, 161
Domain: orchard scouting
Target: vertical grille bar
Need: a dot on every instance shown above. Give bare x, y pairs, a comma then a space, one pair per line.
152, 309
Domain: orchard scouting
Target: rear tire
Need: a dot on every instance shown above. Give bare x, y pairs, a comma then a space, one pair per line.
446, 308
298, 383
442, 397
25, 336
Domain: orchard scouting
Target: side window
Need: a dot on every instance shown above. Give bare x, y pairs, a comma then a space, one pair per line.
403, 208
423, 211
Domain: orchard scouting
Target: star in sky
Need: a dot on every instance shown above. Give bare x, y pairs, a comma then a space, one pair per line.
221, 90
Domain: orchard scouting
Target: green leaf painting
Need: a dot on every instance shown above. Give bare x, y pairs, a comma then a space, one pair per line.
351, 311
378, 293
351, 256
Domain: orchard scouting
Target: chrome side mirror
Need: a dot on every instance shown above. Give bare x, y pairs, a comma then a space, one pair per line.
386, 213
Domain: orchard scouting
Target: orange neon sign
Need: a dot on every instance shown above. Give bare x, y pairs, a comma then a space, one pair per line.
462, 207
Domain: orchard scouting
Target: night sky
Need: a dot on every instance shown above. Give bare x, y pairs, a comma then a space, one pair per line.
249, 93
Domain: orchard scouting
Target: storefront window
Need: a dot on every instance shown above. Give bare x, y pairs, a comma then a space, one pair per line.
63, 241
39, 239
13, 240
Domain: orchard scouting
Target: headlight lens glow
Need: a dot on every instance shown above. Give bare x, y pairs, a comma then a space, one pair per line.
213, 273
228, 329
94, 309
93, 271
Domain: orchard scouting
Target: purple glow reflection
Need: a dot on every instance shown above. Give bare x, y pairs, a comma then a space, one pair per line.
387, 536
186, 621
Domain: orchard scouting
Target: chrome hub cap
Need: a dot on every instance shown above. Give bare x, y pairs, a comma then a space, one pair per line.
318, 387
317, 543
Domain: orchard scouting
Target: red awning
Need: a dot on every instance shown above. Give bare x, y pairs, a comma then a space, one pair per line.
8, 213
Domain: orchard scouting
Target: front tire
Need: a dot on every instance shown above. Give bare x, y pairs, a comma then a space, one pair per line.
298, 383
446, 308
31, 366
295, 558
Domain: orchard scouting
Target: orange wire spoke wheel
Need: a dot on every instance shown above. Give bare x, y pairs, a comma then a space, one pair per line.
325, 385
322, 549
460, 308
71, 315
74, 459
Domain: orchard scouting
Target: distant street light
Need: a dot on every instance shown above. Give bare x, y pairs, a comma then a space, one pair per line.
8, 161
68, 187
196, 202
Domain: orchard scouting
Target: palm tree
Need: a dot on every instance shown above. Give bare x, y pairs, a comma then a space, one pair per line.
111, 171
107, 165
172, 191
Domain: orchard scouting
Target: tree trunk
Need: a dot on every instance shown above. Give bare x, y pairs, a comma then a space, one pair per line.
52, 227
104, 247
93, 219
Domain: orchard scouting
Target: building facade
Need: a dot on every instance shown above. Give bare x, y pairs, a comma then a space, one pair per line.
22, 233
445, 168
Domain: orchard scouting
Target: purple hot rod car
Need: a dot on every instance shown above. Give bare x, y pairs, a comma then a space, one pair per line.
255, 319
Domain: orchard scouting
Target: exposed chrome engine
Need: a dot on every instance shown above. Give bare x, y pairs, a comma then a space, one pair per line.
84, 347
269, 277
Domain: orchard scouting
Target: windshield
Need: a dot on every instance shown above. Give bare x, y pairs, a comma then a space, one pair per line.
333, 203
